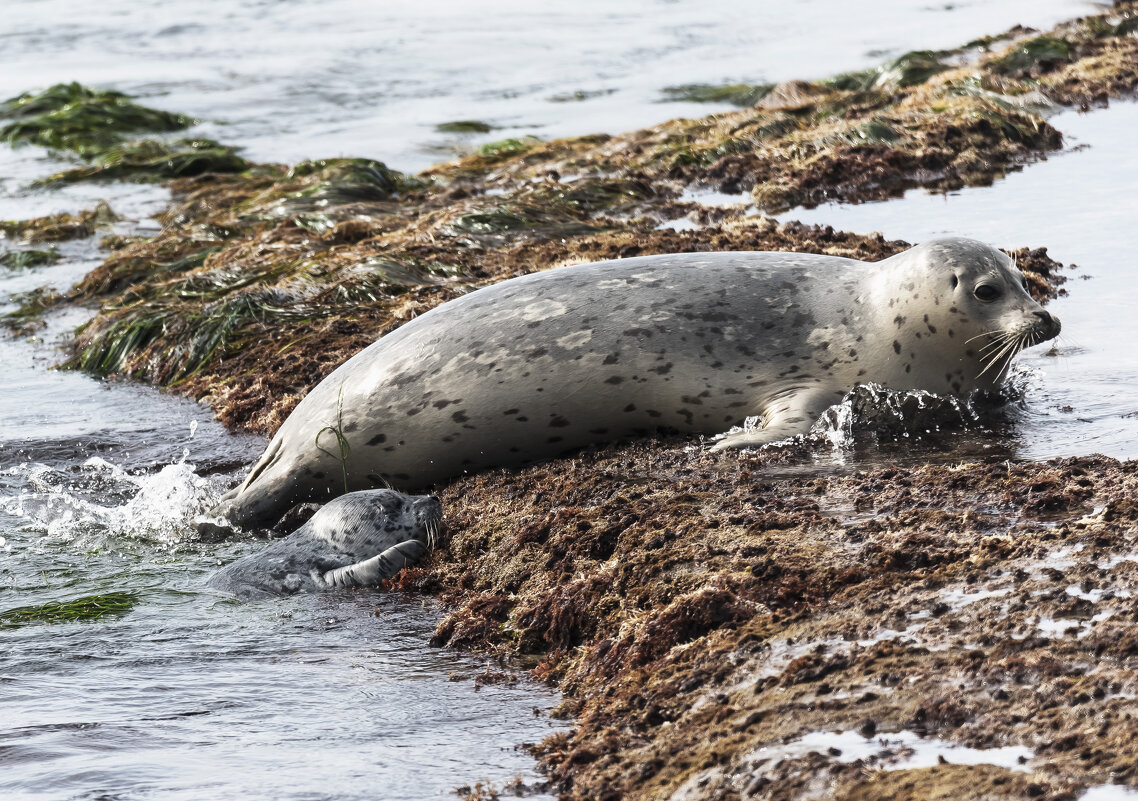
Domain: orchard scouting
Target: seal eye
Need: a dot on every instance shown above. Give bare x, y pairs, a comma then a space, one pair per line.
986, 293
955, 281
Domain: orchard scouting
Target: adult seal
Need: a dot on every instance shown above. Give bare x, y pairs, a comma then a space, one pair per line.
542, 364
356, 540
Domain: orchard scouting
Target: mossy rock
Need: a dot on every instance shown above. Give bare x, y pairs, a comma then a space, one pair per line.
336, 182
25, 259
1026, 55
736, 94
153, 160
86, 121
910, 69
464, 127
507, 148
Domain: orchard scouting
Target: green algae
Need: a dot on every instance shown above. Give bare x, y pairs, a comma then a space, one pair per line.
1027, 54
340, 182
579, 95
465, 127
30, 306
70, 116
858, 81
195, 336
555, 209
507, 148
736, 94
25, 259
86, 608
873, 132
153, 160
59, 227
910, 69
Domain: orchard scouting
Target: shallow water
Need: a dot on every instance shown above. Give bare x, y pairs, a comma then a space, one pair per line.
191, 695
294, 79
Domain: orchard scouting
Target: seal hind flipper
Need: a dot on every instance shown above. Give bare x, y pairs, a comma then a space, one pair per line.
793, 416
370, 572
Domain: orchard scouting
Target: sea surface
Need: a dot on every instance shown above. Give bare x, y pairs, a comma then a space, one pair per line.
339, 696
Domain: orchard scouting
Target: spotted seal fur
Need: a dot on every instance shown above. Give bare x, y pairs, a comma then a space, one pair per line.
545, 363
355, 540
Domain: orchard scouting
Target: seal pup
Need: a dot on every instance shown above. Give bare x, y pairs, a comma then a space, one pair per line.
542, 364
355, 540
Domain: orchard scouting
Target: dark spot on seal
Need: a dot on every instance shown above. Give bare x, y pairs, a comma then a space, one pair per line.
522, 419
319, 475
899, 321
896, 346
691, 400
663, 369
630, 407
459, 417
510, 411
350, 427
554, 439
637, 332
442, 404
537, 353
956, 387
614, 379
652, 413
908, 368
612, 358
377, 439
558, 422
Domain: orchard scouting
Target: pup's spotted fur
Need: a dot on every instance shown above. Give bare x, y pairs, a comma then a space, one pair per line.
355, 540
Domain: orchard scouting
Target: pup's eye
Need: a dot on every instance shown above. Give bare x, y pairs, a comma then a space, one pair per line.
955, 281
986, 293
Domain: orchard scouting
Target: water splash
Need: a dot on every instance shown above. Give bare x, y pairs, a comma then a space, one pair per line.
98, 502
891, 415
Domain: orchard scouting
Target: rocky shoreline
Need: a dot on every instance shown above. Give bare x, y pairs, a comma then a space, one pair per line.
701, 613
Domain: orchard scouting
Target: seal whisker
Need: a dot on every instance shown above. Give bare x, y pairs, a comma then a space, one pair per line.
985, 334
1012, 345
996, 344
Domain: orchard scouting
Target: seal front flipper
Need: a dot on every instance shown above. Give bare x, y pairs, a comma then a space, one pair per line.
370, 572
787, 419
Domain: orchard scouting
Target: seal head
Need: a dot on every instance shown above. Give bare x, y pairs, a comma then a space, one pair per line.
355, 540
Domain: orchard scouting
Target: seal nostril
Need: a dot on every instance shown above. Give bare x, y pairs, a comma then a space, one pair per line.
1044, 316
